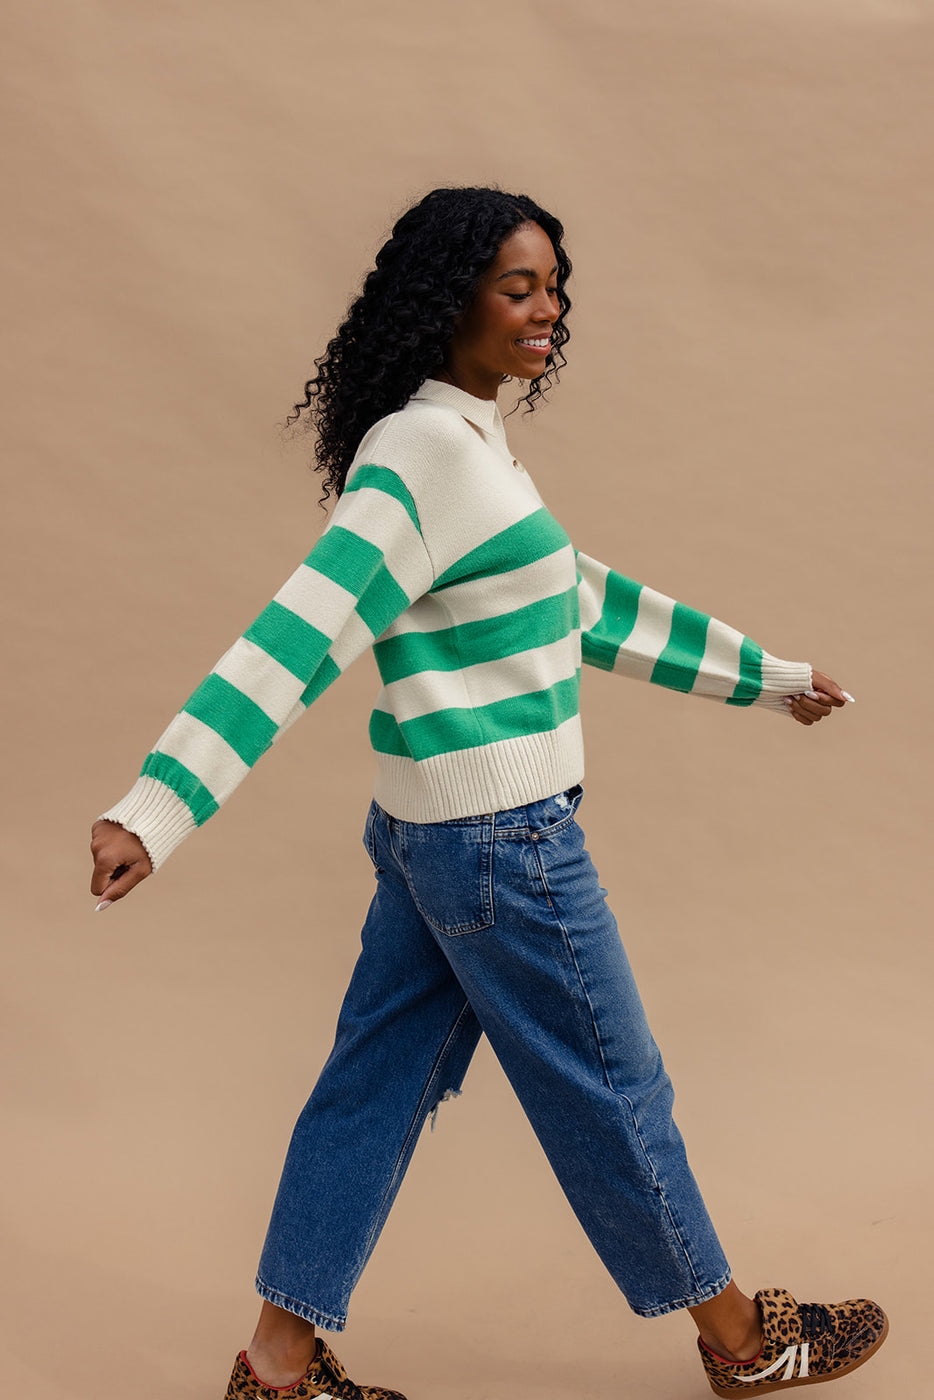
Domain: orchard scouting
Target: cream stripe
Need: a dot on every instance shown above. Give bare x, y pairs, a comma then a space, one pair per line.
719, 670
477, 599
647, 640
258, 675
592, 591
525, 673
317, 599
491, 597
352, 642
205, 753
295, 713
426, 614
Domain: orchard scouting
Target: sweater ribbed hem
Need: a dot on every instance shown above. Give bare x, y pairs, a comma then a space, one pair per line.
156, 815
470, 782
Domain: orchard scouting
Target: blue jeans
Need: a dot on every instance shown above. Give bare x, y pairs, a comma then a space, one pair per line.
494, 924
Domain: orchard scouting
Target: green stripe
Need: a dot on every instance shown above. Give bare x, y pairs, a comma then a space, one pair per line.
487, 639
326, 674
289, 639
346, 559
234, 716
447, 731
358, 566
185, 784
382, 479
386, 736
749, 686
679, 663
532, 538
600, 644
382, 603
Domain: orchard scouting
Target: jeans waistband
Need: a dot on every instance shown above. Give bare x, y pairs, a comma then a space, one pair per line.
531, 816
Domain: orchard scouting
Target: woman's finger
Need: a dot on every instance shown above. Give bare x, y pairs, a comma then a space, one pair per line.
817, 706
124, 879
804, 711
829, 689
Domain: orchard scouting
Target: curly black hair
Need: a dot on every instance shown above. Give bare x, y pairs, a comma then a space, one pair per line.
397, 331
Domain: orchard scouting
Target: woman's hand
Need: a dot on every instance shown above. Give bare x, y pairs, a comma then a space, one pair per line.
120, 862
817, 703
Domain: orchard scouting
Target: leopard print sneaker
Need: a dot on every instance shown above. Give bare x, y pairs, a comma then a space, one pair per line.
325, 1379
802, 1344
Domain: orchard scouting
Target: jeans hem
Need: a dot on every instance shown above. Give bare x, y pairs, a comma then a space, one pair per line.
693, 1301
305, 1310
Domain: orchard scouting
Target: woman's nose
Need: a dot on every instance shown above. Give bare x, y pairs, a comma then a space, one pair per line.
545, 309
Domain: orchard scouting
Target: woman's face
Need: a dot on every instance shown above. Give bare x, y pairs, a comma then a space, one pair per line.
505, 329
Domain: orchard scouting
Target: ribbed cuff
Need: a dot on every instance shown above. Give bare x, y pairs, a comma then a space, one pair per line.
781, 678
155, 814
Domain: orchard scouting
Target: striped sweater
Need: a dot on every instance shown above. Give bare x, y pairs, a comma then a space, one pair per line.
441, 556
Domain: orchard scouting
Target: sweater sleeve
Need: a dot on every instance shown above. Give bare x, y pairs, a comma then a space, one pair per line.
365, 570
635, 631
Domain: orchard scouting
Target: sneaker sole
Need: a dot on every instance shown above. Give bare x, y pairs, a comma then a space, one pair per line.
766, 1387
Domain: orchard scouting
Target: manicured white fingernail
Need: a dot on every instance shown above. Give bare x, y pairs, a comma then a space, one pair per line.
847, 696
786, 700
812, 694
104, 904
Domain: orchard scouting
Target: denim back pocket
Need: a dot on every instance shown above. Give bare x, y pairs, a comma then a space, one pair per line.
449, 871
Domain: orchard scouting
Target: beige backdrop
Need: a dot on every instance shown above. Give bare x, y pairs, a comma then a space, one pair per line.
191, 194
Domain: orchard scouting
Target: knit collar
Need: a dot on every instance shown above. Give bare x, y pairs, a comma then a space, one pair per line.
483, 413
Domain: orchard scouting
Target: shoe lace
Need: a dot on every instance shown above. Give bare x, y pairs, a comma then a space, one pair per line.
815, 1320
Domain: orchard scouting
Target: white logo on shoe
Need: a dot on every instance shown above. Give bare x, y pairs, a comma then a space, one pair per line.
790, 1355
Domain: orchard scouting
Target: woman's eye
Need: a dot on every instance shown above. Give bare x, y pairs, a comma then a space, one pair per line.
524, 296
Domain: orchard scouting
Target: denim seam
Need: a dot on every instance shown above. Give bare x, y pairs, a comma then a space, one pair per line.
418, 1122
606, 1074
369, 838
331, 1323
570, 947
694, 1301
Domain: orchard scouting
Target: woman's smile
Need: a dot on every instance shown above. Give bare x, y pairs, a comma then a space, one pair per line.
540, 346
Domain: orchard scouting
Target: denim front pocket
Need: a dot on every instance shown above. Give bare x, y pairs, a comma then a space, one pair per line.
449, 870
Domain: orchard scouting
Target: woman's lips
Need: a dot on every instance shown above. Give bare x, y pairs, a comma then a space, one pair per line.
536, 345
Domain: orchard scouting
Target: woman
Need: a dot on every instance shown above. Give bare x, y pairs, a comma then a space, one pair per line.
488, 916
